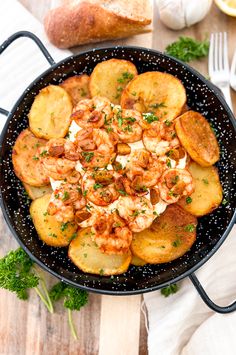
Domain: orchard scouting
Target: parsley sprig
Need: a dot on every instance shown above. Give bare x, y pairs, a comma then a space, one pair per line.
187, 49
73, 300
170, 290
18, 274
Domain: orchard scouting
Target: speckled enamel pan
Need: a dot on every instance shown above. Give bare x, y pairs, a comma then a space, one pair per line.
212, 229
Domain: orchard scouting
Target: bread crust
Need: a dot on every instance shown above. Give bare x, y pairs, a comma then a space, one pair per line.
76, 24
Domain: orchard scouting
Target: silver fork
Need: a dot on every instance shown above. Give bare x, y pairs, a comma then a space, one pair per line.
218, 64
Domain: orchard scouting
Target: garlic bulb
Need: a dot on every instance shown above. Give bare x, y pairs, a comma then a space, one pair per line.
177, 14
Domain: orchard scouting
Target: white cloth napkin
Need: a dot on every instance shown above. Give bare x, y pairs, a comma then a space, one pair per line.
183, 325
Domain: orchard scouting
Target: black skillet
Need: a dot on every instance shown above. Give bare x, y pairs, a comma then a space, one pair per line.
212, 229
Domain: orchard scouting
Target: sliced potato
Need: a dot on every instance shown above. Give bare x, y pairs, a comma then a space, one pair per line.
110, 77
197, 137
50, 231
156, 92
136, 261
77, 87
36, 192
208, 191
87, 256
26, 164
170, 236
49, 116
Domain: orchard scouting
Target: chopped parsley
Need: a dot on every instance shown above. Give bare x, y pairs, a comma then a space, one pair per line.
135, 213
65, 196
120, 120
161, 104
122, 192
206, 182
74, 235
188, 200
43, 153
176, 243
150, 117
168, 163
101, 272
224, 202
168, 123
189, 228
64, 226
52, 235
97, 186
125, 76
35, 158
87, 156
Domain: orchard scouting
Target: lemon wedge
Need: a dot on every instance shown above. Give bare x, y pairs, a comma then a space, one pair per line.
227, 6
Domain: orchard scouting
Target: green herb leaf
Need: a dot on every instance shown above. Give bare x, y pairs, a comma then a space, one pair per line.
170, 290
150, 117
64, 226
188, 200
87, 156
97, 186
206, 182
187, 49
189, 228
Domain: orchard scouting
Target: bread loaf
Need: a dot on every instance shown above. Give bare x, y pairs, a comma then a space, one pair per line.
75, 23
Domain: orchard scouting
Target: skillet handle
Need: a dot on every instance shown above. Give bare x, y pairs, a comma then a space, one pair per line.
40, 45
208, 301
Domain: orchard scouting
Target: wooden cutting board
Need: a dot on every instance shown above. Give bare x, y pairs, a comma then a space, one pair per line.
108, 325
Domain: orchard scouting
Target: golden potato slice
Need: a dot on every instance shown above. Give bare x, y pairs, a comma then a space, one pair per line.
136, 261
26, 164
170, 236
197, 137
49, 116
110, 77
160, 93
51, 231
36, 192
208, 191
85, 254
77, 87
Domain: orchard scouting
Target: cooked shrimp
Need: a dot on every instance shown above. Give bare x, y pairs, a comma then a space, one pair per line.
160, 138
174, 184
111, 234
137, 211
125, 124
144, 167
96, 146
100, 193
58, 168
65, 201
92, 112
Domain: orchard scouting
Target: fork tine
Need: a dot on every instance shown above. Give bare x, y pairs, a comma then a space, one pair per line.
226, 61
216, 51
210, 58
221, 52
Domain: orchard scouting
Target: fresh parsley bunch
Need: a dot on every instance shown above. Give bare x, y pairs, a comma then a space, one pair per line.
187, 49
18, 275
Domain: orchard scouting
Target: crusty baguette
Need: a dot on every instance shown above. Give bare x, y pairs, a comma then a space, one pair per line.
77, 23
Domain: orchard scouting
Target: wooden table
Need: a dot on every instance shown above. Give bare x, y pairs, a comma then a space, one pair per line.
107, 325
